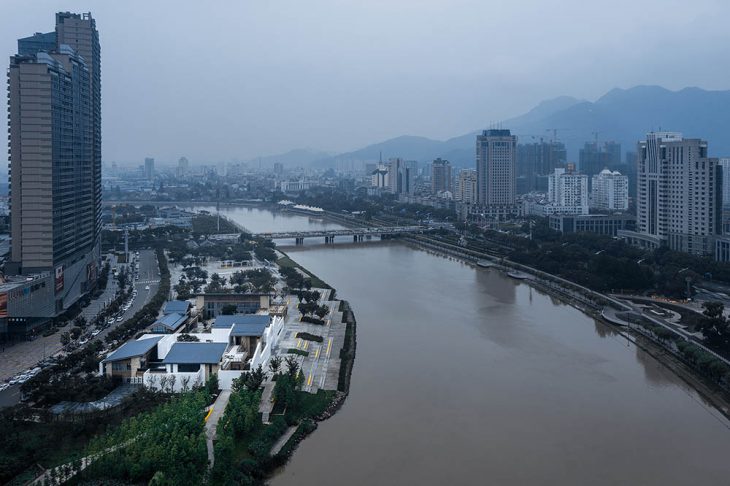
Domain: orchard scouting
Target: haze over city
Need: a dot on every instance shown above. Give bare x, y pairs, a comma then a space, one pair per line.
384, 242
235, 80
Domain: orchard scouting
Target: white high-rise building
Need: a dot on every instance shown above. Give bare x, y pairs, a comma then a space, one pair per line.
466, 187
496, 154
568, 192
610, 191
678, 196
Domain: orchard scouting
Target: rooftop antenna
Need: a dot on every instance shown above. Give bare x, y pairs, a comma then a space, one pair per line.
381, 157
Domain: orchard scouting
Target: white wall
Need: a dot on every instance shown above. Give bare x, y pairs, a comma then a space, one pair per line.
226, 377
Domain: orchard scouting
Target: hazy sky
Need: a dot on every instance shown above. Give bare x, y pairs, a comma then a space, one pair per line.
249, 78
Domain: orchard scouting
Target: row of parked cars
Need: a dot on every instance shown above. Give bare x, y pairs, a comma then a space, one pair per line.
26, 375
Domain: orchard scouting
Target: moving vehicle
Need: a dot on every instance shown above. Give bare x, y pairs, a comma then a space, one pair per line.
146, 287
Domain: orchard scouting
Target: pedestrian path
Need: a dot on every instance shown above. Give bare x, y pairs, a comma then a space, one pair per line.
211, 425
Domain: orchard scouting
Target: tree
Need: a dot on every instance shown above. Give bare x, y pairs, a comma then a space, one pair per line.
80, 321
322, 311
275, 364
187, 338
229, 309
714, 326
65, 338
292, 366
254, 379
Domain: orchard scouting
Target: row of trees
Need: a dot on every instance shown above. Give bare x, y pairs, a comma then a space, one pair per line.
164, 446
309, 306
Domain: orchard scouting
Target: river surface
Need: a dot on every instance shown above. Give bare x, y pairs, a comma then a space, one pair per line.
463, 376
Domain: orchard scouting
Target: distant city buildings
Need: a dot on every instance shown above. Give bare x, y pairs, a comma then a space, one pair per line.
149, 168
54, 113
725, 165
441, 176
679, 195
183, 167
278, 168
401, 176
610, 191
567, 192
602, 224
295, 186
595, 157
536, 160
496, 153
466, 187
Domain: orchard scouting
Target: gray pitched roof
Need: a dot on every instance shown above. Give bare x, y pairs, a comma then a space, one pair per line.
131, 349
195, 353
226, 322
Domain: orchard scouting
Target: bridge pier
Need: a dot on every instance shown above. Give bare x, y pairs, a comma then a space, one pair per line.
299, 241
329, 240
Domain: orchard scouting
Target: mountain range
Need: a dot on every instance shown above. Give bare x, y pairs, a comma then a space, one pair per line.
621, 115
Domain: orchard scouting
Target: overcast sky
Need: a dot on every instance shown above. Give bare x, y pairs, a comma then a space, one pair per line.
250, 78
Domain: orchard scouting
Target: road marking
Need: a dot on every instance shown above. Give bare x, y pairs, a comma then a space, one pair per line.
329, 347
306, 345
299, 343
316, 353
309, 381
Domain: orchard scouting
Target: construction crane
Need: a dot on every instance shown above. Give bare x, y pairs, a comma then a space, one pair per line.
555, 132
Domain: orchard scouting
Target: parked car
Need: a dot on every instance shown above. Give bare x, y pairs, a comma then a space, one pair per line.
146, 287
119, 319
4, 387
95, 333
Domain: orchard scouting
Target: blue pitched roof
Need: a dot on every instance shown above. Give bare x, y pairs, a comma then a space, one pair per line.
171, 321
178, 306
226, 322
248, 329
131, 349
195, 353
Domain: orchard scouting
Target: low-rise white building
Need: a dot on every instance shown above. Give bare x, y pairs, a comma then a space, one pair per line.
233, 346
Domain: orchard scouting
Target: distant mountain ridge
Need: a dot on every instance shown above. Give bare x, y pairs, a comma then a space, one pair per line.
622, 115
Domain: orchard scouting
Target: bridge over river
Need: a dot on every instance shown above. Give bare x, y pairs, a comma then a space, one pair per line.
329, 235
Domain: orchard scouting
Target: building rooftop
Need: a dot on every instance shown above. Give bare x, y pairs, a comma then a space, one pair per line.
171, 321
227, 322
178, 306
131, 349
248, 329
195, 353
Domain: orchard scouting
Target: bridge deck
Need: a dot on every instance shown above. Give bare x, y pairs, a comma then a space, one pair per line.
373, 231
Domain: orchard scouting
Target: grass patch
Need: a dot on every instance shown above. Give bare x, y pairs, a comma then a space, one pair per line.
297, 351
310, 337
314, 404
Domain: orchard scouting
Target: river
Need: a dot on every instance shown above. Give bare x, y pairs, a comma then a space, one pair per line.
464, 376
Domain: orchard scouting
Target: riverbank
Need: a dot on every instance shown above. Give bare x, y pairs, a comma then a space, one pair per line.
706, 389
325, 403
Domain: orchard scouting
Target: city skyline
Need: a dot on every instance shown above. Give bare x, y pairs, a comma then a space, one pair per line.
341, 101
